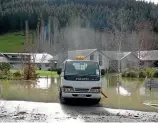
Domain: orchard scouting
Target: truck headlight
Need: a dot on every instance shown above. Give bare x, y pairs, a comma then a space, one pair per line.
67, 89
95, 90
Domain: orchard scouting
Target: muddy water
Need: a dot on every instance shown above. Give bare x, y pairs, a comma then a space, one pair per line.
129, 94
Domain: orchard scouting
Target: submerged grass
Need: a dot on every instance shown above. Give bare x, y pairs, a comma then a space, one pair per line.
41, 73
154, 102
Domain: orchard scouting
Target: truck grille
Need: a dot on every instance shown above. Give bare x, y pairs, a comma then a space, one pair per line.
81, 89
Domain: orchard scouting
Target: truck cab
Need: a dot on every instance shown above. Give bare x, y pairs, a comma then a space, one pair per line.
80, 79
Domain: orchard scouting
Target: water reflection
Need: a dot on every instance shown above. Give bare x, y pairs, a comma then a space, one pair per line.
55, 80
129, 94
142, 91
43, 83
122, 91
43, 90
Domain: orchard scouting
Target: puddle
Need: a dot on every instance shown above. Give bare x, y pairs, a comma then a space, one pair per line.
129, 94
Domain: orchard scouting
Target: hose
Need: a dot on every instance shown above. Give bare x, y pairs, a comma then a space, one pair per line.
104, 94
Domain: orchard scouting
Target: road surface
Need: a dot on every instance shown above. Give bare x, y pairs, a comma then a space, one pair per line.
22, 111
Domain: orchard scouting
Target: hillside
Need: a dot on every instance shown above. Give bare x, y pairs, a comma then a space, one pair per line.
98, 18
11, 42
99, 14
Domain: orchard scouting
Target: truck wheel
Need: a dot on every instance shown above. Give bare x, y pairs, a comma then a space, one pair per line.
62, 100
96, 101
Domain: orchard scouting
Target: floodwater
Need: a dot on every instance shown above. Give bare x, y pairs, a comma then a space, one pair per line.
129, 94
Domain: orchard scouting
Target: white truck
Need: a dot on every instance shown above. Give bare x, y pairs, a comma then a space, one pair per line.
80, 79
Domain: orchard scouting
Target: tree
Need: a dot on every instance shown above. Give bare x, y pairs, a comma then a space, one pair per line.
97, 12
145, 39
5, 67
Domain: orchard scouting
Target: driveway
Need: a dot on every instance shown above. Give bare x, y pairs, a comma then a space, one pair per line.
22, 111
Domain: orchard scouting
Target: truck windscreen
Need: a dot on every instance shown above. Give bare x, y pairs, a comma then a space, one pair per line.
82, 71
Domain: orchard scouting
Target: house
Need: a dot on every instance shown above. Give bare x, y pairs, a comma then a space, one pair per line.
89, 54
110, 59
132, 59
43, 61
15, 59
148, 58
127, 60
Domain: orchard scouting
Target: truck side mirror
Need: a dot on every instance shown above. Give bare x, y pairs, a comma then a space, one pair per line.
102, 72
59, 71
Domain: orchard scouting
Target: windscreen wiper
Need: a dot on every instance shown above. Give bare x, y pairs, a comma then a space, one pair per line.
91, 75
75, 74
79, 74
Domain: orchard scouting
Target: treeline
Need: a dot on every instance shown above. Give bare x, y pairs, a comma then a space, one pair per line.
98, 14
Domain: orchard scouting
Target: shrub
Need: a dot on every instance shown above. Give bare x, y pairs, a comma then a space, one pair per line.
146, 72
5, 67
29, 72
129, 73
123, 74
149, 72
132, 74
17, 74
141, 74
155, 75
4, 75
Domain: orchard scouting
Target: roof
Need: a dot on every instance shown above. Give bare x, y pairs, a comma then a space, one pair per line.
35, 57
72, 54
79, 60
41, 58
115, 55
16, 53
148, 55
3, 59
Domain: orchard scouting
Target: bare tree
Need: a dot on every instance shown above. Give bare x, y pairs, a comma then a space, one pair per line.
145, 40
33, 42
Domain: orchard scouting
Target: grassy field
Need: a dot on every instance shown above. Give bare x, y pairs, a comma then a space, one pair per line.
43, 73
12, 42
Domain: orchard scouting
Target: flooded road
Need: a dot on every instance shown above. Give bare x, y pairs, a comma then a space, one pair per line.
129, 94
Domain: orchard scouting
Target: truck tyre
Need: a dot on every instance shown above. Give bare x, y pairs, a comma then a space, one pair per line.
96, 101
62, 100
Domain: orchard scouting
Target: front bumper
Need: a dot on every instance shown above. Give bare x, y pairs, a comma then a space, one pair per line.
82, 95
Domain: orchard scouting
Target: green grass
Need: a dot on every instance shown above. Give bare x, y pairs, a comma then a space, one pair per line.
12, 42
42, 73
47, 73
155, 102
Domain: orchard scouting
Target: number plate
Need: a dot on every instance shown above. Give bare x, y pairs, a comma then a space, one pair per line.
82, 95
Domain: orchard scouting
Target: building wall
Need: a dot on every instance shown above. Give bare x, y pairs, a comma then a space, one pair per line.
129, 61
113, 65
105, 61
21, 66
148, 63
17, 66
